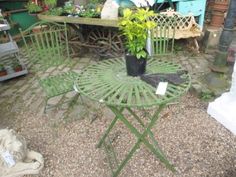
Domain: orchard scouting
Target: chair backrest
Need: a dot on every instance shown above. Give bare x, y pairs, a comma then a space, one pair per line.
185, 25
46, 43
171, 25
163, 35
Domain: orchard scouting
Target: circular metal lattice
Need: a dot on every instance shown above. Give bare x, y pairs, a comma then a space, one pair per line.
107, 82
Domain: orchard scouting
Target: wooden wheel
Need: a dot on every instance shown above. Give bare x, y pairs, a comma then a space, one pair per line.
75, 39
107, 42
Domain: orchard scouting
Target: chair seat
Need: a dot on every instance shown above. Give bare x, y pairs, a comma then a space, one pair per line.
47, 48
59, 84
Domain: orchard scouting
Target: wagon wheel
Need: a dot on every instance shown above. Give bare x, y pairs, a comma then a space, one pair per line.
75, 39
107, 42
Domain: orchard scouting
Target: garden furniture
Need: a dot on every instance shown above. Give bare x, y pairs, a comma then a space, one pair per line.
57, 85
47, 45
107, 83
195, 7
162, 37
172, 25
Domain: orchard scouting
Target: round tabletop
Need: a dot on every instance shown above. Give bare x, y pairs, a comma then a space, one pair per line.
107, 82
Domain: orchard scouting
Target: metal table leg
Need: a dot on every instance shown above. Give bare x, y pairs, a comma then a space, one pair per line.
141, 137
108, 130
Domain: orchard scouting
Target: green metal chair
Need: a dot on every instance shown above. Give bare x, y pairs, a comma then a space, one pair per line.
163, 35
58, 85
47, 45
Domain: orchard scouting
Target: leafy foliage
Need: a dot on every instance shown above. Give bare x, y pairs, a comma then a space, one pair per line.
50, 3
15, 64
55, 11
97, 1
134, 26
32, 7
2, 67
90, 10
89, 13
207, 95
69, 7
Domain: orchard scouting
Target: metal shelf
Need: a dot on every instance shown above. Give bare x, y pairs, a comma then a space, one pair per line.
9, 50
4, 25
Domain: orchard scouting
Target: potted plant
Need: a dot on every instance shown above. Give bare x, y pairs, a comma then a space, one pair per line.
69, 8
50, 3
57, 11
91, 13
16, 66
3, 71
134, 25
33, 8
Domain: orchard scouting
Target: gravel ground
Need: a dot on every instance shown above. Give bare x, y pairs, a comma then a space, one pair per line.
195, 143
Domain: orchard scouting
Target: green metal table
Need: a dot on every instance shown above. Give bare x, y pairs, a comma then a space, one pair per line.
107, 82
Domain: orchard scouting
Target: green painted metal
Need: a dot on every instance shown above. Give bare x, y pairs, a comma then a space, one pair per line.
111, 155
141, 138
108, 83
23, 19
108, 130
18, 15
48, 46
163, 35
58, 84
155, 143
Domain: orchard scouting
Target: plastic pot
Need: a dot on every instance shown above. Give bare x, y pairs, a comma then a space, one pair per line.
135, 66
18, 68
3, 73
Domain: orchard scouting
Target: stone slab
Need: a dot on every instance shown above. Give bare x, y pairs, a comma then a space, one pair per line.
223, 110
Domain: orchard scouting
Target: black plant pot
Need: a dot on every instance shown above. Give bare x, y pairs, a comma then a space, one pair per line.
135, 66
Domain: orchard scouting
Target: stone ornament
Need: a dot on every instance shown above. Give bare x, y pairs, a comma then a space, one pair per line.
15, 159
110, 10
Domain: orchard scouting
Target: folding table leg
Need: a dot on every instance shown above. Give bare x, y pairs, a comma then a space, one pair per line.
108, 130
149, 131
141, 138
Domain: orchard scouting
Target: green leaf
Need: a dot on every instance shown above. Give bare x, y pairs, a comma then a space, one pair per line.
134, 26
127, 12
